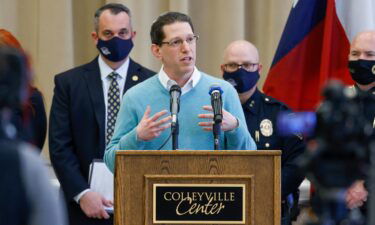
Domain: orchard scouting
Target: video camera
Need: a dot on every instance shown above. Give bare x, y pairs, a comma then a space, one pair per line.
338, 150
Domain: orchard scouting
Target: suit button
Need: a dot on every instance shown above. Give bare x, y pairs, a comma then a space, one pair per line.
267, 145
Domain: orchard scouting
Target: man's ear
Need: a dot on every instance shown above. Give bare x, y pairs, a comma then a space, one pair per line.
134, 33
95, 37
260, 67
156, 51
222, 68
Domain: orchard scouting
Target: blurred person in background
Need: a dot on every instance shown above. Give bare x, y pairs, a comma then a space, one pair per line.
29, 118
26, 195
362, 70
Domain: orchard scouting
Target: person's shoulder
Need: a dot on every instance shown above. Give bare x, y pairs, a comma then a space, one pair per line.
212, 80
273, 102
147, 86
78, 71
133, 65
35, 96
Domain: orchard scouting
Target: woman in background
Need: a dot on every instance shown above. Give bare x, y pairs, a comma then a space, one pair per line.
30, 120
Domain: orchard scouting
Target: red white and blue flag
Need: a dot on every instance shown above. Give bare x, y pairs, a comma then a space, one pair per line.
314, 48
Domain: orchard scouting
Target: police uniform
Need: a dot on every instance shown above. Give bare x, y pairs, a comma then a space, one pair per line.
368, 104
261, 113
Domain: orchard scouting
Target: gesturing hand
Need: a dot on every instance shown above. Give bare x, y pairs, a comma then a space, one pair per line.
229, 121
150, 127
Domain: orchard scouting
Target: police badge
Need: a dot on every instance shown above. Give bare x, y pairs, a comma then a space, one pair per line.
266, 127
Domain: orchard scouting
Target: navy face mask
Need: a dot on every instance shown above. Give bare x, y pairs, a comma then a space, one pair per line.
115, 49
362, 71
241, 79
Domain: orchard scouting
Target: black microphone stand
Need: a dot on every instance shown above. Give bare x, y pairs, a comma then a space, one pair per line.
216, 103
175, 92
174, 130
216, 128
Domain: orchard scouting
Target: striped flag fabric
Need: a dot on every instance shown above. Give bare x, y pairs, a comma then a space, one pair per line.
314, 48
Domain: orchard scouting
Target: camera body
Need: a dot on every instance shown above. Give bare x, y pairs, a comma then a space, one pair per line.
338, 149
339, 136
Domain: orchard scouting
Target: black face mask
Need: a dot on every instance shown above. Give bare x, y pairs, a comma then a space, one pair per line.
362, 71
241, 79
115, 49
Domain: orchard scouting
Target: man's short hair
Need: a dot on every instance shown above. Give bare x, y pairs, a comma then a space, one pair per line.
115, 9
157, 33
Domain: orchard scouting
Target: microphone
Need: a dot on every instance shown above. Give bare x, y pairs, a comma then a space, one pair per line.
175, 92
216, 102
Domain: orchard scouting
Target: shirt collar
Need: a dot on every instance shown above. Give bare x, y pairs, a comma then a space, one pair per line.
105, 70
168, 82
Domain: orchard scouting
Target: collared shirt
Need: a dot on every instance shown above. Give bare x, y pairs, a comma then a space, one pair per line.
190, 84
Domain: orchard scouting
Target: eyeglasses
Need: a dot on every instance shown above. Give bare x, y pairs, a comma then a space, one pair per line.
175, 43
250, 67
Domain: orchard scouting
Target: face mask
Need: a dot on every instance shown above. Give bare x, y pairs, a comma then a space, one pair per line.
362, 71
115, 49
241, 79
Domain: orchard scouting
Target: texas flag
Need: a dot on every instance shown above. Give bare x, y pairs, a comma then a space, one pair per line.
314, 48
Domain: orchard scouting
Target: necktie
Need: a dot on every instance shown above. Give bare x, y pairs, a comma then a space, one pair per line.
113, 105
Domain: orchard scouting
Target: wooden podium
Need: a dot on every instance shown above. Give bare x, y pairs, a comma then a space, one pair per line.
138, 172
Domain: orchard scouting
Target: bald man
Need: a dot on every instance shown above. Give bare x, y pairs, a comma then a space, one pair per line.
241, 68
362, 69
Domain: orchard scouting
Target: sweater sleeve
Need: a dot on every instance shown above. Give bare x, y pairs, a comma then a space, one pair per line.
239, 138
125, 134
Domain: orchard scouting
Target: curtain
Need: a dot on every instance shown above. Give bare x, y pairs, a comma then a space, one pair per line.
57, 34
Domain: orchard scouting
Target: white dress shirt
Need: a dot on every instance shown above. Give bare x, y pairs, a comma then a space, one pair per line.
190, 84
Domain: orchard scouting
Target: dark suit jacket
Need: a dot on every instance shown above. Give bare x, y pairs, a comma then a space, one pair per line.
77, 128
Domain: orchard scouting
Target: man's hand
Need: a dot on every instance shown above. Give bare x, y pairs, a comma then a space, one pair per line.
229, 121
92, 204
150, 128
356, 195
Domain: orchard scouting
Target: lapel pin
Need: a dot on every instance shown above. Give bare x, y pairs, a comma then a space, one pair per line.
135, 78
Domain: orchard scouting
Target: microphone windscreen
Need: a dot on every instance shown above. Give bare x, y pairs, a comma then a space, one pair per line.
175, 87
215, 87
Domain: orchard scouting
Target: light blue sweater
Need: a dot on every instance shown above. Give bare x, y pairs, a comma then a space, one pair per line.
191, 136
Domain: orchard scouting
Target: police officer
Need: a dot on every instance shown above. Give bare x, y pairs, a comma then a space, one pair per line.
362, 70
241, 68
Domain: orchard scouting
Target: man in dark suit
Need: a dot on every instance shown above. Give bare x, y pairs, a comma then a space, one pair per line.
84, 110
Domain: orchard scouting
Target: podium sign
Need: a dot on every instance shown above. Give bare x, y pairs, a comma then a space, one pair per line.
199, 203
197, 187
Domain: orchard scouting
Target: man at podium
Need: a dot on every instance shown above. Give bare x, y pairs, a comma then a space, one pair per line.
144, 120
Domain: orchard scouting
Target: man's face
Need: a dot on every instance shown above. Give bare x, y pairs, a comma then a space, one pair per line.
111, 25
363, 47
178, 57
241, 55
